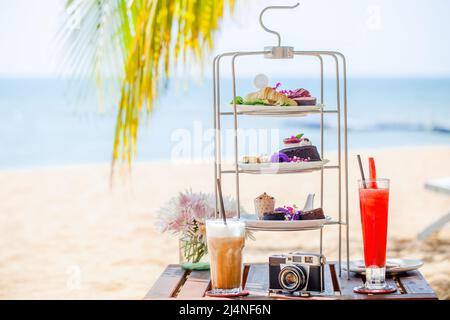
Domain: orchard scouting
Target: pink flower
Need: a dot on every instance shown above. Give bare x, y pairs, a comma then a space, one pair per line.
186, 213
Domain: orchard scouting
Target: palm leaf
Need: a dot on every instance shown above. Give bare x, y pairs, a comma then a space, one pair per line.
141, 41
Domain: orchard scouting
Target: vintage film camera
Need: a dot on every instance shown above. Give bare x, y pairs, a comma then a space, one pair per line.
296, 273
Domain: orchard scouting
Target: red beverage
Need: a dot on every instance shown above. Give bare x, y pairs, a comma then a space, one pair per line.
374, 203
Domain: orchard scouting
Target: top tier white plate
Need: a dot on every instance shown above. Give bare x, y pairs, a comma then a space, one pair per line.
263, 110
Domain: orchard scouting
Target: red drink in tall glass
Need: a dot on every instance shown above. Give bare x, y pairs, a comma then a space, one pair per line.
374, 203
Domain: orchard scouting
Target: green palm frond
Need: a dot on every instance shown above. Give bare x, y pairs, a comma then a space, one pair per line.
93, 49
139, 41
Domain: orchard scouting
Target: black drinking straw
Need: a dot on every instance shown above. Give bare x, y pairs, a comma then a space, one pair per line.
362, 171
222, 207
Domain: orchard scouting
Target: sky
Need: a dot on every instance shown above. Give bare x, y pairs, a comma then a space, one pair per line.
401, 38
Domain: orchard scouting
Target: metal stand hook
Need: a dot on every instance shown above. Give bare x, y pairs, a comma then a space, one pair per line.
274, 7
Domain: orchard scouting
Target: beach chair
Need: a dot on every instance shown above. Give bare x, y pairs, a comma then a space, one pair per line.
442, 186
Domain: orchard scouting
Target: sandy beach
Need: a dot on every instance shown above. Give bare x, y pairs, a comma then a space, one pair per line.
67, 235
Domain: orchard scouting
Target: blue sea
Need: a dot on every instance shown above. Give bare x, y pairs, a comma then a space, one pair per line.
47, 122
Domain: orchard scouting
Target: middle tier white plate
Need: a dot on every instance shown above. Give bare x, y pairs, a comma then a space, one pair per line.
252, 222
282, 167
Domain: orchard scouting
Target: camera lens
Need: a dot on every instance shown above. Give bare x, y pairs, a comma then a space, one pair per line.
292, 278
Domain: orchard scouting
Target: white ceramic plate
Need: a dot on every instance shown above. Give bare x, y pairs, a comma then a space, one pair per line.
393, 266
262, 109
282, 167
253, 223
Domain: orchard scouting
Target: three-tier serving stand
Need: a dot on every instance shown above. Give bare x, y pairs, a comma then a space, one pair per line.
340, 111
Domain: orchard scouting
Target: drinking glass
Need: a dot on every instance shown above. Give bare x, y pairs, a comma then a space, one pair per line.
374, 204
225, 244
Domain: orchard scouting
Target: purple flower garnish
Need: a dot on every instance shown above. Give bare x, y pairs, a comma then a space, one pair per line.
281, 210
289, 213
279, 157
296, 216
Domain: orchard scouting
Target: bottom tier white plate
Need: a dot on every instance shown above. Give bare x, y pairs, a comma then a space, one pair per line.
252, 222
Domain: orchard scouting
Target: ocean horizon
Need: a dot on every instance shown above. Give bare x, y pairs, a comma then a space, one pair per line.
46, 122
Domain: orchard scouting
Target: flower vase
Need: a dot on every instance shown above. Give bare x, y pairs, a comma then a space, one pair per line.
194, 253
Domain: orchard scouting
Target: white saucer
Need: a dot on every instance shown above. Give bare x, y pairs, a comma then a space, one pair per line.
393, 266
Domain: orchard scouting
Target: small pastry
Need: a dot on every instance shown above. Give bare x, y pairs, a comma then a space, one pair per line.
251, 159
264, 204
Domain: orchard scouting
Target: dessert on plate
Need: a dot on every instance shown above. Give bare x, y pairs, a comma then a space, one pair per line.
297, 149
301, 96
292, 213
271, 97
312, 214
255, 159
302, 153
264, 204
277, 214
288, 213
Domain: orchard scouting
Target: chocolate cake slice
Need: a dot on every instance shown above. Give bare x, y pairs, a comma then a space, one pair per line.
312, 214
277, 214
273, 216
304, 152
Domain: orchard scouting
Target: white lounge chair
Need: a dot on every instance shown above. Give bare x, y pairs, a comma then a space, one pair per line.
442, 186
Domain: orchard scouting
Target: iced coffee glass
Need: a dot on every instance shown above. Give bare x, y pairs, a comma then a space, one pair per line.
225, 244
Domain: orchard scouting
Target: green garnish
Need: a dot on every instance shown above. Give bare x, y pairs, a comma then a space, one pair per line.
299, 136
239, 100
256, 101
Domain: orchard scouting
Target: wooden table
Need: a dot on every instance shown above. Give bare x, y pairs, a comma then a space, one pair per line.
177, 283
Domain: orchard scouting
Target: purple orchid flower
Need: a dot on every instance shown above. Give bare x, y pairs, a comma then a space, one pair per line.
282, 210
279, 157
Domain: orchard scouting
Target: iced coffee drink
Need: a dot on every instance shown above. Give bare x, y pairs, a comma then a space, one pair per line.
225, 244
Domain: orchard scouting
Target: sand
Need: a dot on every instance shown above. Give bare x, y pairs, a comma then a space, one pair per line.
66, 235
